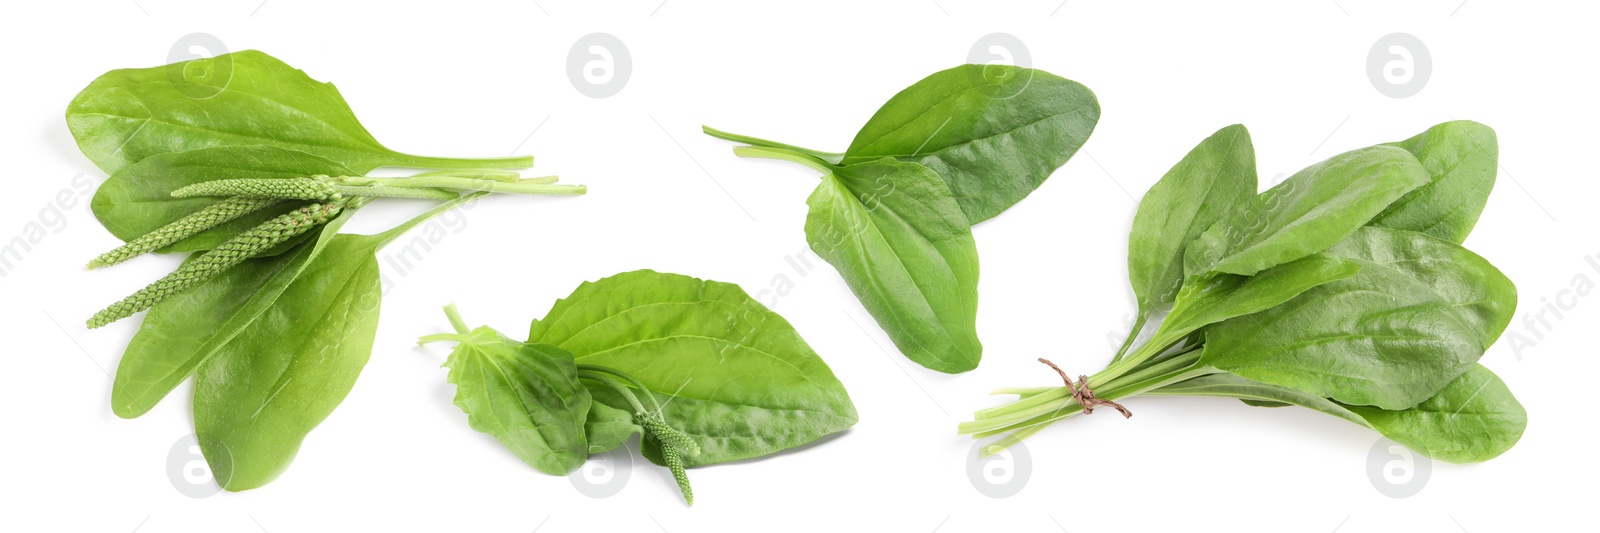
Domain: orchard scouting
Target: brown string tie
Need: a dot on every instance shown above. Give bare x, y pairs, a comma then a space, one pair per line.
1083, 395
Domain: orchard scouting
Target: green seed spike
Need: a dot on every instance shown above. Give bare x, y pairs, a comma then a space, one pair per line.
241, 247
312, 188
674, 462
667, 434
183, 228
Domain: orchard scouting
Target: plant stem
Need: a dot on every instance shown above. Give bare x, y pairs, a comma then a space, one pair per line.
540, 185
611, 382
1021, 391
1133, 334
1162, 341
474, 173
395, 192
1021, 429
456, 322
786, 155
390, 234
830, 157
656, 407
508, 162
1058, 399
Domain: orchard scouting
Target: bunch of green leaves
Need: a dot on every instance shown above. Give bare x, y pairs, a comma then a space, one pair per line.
701, 370
894, 212
253, 167
1344, 289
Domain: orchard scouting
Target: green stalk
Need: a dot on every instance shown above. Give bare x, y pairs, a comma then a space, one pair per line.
541, 185
1059, 399
474, 173
390, 234
612, 383
1138, 327
785, 155
1021, 429
454, 314
418, 161
830, 157
395, 192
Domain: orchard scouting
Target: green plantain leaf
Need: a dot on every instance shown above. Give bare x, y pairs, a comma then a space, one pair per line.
730, 373
1378, 338
610, 421
993, 132
184, 330
906, 251
1312, 210
526, 395
1463, 158
1474, 418
1484, 297
242, 98
259, 396
1215, 178
1206, 301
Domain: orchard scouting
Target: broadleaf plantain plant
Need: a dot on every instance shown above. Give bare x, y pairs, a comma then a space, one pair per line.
1343, 289
705, 373
894, 211
254, 167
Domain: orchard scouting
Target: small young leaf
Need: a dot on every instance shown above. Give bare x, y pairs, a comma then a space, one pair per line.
906, 251
1207, 301
993, 132
526, 395
729, 372
1215, 178
1463, 158
610, 422
1312, 210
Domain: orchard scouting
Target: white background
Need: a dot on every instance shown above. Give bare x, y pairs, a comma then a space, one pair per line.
488, 78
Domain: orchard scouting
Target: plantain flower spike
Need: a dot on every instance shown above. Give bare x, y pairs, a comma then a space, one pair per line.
667, 434
183, 228
227, 255
313, 188
669, 454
